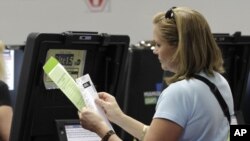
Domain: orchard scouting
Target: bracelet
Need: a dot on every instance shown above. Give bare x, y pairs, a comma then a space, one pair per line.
107, 135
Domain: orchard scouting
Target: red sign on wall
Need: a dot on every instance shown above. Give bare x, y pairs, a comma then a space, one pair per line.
97, 5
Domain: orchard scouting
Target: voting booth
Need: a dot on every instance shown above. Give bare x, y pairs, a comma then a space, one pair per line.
235, 50
39, 103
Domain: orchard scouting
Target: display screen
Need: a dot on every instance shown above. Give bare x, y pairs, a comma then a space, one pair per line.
9, 60
77, 133
65, 59
72, 60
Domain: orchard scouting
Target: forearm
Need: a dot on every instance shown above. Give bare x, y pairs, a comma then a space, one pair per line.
5, 122
132, 126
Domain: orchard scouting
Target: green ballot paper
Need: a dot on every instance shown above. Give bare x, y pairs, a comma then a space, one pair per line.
59, 75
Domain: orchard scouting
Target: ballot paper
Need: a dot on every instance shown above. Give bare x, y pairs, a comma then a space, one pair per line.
80, 92
89, 93
59, 75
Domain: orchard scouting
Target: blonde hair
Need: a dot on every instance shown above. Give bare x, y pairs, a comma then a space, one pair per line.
2, 62
196, 50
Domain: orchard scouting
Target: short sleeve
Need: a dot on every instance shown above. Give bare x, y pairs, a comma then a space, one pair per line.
4, 94
174, 105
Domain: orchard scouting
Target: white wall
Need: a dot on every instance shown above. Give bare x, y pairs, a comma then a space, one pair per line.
131, 17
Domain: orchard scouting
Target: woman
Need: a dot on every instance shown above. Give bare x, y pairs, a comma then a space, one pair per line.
5, 102
187, 109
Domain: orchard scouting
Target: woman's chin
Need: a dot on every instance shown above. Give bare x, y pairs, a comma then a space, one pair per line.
164, 68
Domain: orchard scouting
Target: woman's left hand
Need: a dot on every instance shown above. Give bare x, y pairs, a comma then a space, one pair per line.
90, 120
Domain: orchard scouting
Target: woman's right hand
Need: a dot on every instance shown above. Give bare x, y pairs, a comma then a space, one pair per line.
110, 107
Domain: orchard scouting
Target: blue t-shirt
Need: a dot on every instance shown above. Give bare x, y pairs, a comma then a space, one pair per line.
192, 105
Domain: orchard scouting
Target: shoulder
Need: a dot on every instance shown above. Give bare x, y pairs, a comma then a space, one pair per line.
182, 87
4, 94
191, 90
183, 91
176, 102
